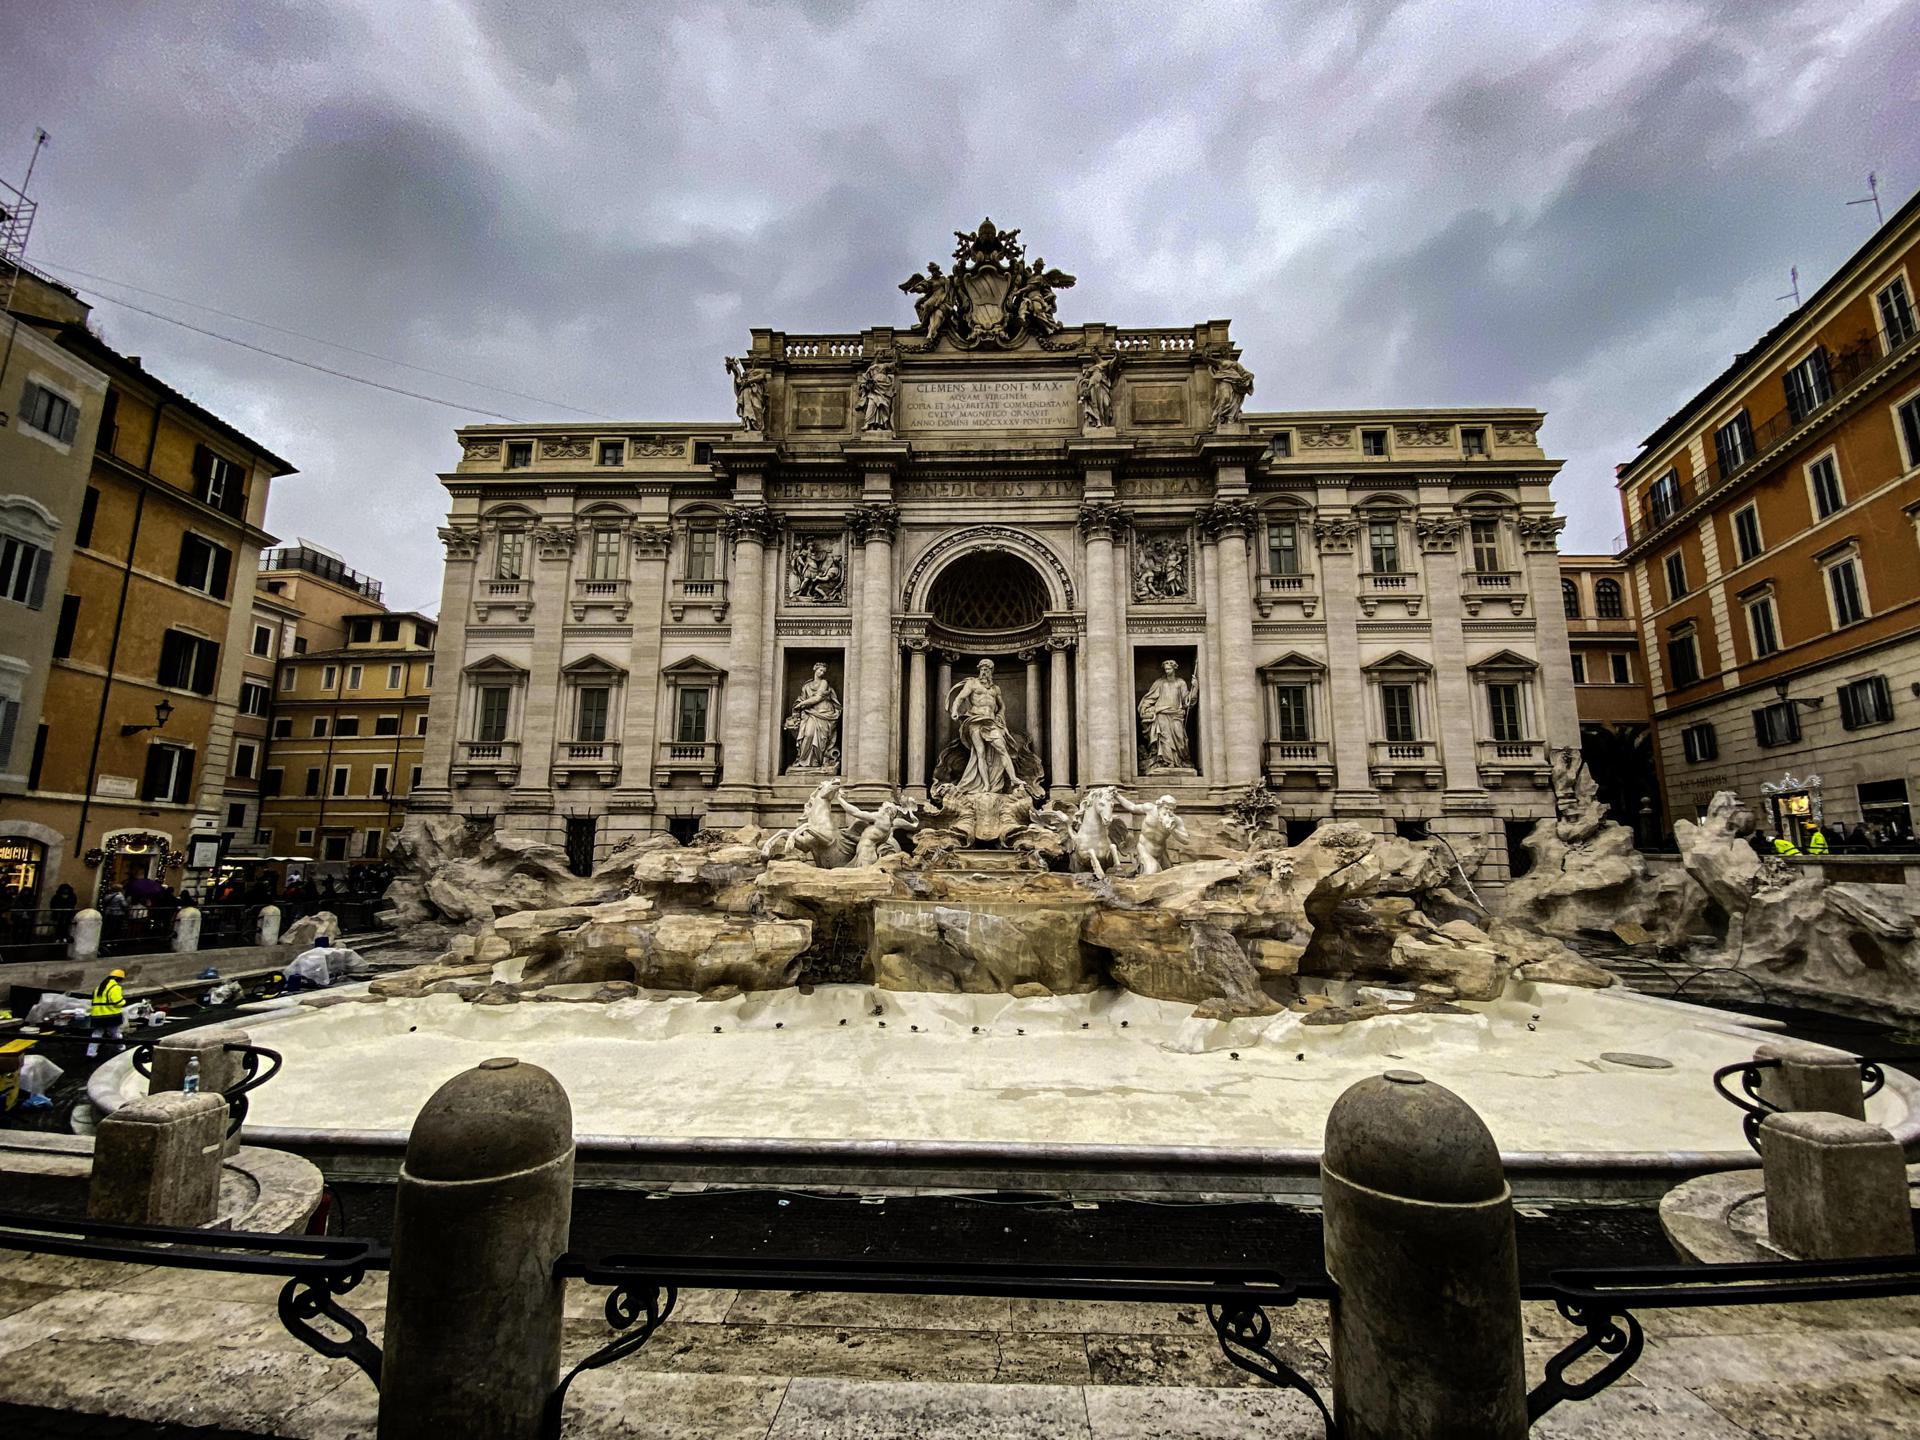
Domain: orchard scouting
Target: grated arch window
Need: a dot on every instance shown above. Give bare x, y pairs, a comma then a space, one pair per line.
988, 592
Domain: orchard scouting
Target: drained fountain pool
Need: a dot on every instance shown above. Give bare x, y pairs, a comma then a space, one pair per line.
1587, 1092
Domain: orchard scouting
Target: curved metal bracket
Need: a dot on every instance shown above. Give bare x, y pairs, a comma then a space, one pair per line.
1752, 1114
639, 1301
1245, 1334
1611, 1332
309, 1296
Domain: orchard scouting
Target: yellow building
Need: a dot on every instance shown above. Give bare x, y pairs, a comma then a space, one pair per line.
349, 728
135, 735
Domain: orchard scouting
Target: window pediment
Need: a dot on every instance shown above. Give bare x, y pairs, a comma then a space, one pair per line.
692, 671
1506, 661
1398, 663
592, 665
496, 666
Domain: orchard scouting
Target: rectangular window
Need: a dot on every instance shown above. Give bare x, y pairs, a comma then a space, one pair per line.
356, 676
313, 782
1761, 627
360, 632
1396, 712
703, 553
386, 725
203, 566
1777, 724
89, 511
1683, 662
187, 662
1622, 669
245, 757
393, 677
613, 452
423, 635
606, 554
333, 847
492, 724
319, 726
1503, 712
341, 773
219, 482
1697, 742
1746, 532
299, 644
1579, 669
1373, 442
169, 774
51, 414
1281, 445
1383, 546
1663, 497
329, 676
1733, 443
1283, 547
1485, 535
263, 640
271, 781
592, 724
23, 572
370, 846
420, 724
303, 837
1675, 566
1909, 414
509, 554
381, 775
691, 728
389, 632
1896, 313
519, 454
346, 726
1293, 721
1809, 385
254, 697
283, 729
1823, 479
286, 677
1843, 584
1473, 442
1866, 702
413, 778
69, 622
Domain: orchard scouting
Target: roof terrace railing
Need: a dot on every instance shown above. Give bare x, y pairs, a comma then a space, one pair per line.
327, 567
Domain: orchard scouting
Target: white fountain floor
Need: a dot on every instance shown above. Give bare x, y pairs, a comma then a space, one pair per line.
1106, 1068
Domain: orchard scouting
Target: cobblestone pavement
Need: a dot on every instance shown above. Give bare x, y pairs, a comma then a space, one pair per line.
171, 1348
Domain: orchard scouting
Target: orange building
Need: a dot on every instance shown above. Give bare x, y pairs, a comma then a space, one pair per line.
1771, 540
1610, 688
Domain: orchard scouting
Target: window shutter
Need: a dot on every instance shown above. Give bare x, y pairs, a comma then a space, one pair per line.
183, 572
68, 430
182, 775
206, 657
222, 564
42, 562
1882, 698
27, 392
202, 466
9, 721
156, 776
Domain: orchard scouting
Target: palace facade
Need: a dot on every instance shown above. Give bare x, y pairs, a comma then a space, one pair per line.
1360, 608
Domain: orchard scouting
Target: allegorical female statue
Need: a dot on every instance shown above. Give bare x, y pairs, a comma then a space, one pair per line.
980, 716
815, 723
874, 393
1163, 721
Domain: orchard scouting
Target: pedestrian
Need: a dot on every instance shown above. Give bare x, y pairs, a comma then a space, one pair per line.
1816, 840
109, 1005
63, 904
1784, 846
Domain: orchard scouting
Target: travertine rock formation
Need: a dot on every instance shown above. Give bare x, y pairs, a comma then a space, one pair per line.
1587, 875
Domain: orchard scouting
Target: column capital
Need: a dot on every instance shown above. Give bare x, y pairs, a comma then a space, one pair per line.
1229, 517
1438, 534
911, 632
874, 522
755, 523
555, 542
652, 542
1540, 534
1336, 535
1103, 520
462, 541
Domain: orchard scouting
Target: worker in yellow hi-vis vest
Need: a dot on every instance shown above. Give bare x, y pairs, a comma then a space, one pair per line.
109, 1005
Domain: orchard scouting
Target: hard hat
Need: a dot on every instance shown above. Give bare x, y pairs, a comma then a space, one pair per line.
116, 974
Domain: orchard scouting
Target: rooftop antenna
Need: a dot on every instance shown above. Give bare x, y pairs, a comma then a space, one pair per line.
1872, 197
1793, 272
16, 219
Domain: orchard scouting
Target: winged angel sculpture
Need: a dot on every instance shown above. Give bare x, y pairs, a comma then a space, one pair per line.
993, 297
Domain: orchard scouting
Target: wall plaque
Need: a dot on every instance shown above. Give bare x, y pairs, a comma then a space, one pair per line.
1158, 405
989, 404
819, 408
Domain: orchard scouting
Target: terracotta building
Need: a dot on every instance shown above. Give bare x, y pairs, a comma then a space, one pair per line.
1771, 537
134, 738
1610, 688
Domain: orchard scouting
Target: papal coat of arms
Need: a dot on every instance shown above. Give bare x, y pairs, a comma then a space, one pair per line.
993, 298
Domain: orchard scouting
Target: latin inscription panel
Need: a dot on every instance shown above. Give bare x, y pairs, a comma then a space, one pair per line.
1047, 404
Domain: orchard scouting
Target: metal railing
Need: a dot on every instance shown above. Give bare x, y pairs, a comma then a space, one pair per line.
235, 1095
1755, 1107
327, 567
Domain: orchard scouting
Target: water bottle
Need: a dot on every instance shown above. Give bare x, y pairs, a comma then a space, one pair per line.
192, 1081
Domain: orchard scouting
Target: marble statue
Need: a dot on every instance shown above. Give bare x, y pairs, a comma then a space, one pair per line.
934, 300
876, 838
817, 837
993, 296
1574, 788
874, 394
1160, 826
1232, 384
815, 723
816, 574
749, 392
1096, 391
1031, 301
1160, 568
1090, 842
979, 714
1163, 721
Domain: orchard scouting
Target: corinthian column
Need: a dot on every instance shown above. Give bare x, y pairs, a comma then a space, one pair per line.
917, 717
450, 656
1230, 521
1100, 523
875, 526
752, 526
1060, 720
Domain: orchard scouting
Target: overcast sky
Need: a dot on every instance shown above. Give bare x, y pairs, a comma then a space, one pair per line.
1584, 207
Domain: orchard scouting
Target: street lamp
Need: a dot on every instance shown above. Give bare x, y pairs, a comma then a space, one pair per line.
162, 713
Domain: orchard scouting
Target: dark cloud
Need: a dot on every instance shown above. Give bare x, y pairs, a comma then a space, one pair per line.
1585, 206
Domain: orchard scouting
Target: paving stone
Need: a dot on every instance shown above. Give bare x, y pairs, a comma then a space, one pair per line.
69, 1271
1898, 1312
816, 1409
869, 1312
1042, 1359
1160, 1412
807, 1350
690, 1307
619, 1404
1188, 1360
16, 1295
1780, 1358
1869, 1408
1637, 1412
1107, 1317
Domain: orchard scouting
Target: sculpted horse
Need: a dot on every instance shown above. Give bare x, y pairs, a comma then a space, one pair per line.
817, 837
1090, 840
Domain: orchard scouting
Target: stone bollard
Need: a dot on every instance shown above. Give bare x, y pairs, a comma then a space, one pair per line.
84, 942
186, 931
481, 1213
156, 1161
1812, 1077
1419, 1241
219, 1070
1836, 1187
268, 932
